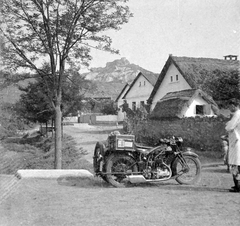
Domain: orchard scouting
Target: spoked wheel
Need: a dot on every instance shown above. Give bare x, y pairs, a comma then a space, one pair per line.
98, 160
190, 172
117, 167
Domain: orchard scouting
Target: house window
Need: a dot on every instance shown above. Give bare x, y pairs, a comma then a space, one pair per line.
144, 83
176, 77
134, 106
199, 109
139, 84
141, 103
171, 79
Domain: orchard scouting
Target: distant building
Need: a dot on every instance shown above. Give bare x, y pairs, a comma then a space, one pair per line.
140, 89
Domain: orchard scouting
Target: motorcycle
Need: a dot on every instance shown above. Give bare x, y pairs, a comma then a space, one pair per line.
225, 145
121, 160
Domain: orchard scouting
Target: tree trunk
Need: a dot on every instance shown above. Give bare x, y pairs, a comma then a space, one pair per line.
58, 137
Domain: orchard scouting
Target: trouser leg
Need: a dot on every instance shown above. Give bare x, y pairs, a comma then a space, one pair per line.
236, 179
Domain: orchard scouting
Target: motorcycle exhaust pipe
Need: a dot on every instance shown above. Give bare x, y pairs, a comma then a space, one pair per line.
141, 179
137, 179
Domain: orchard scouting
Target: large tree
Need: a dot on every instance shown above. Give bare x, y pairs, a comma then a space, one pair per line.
52, 34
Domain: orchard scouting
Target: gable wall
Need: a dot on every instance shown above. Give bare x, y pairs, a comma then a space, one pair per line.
139, 93
168, 86
191, 111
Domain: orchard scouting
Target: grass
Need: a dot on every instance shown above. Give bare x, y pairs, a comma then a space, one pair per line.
38, 153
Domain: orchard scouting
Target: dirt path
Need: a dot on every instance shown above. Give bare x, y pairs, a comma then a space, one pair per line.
74, 201
87, 136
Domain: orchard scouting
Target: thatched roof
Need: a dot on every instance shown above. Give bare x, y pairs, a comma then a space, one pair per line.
195, 70
175, 104
150, 77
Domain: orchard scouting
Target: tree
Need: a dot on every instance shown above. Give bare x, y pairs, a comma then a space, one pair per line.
33, 104
222, 86
53, 34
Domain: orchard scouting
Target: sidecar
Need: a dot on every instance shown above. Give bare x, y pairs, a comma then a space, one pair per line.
115, 142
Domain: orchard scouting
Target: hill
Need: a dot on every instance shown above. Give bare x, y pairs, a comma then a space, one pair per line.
120, 70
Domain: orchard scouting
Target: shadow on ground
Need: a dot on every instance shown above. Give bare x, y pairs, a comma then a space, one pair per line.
172, 185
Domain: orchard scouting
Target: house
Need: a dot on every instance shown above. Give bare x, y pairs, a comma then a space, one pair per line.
185, 103
184, 73
140, 89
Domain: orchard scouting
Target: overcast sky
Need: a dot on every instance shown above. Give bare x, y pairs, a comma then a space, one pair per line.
193, 28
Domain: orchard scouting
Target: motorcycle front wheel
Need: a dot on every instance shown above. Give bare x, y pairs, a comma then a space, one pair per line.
189, 172
117, 167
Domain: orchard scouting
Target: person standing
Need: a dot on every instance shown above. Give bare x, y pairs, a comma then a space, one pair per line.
233, 129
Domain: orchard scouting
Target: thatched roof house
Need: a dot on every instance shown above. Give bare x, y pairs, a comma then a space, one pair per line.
184, 103
193, 71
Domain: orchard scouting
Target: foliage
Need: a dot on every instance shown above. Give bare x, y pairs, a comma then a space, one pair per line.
222, 86
35, 106
109, 108
11, 122
74, 89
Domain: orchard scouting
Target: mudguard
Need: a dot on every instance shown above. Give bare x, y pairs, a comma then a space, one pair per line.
189, 152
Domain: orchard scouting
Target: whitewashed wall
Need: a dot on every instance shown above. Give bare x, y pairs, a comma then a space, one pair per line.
107, 118
170, 86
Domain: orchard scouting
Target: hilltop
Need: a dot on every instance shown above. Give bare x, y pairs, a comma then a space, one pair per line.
120, 70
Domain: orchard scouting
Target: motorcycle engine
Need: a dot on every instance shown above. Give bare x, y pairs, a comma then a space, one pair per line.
159, 172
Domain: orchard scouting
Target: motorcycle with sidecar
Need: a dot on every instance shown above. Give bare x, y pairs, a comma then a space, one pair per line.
121, 160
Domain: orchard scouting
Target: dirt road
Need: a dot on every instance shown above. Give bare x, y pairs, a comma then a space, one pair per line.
74, 201
87, 136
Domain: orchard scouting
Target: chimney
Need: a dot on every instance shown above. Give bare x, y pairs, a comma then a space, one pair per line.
230, 57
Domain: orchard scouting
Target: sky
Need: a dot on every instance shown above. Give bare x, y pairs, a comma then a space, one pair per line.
192, 28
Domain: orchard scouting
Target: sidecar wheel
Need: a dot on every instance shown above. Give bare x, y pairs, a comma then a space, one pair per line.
98, 153
193, 175
119, 164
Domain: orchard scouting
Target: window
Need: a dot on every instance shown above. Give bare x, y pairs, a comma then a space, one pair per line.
144, 83
139, 84
134, 106
142, 103
203, 109
176, 77
171, 79
199, 109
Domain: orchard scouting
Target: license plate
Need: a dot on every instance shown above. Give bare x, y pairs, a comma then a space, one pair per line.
124, 143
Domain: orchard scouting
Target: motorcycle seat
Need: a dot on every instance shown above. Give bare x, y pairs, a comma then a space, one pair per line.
143, 150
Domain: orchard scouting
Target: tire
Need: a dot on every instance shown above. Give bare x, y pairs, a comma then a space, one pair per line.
99, 153
193, 175
119, 163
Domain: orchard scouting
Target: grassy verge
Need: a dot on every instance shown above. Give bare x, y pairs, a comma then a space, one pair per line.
38, 153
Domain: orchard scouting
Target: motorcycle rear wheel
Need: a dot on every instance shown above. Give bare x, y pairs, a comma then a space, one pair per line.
193, 175
119, 164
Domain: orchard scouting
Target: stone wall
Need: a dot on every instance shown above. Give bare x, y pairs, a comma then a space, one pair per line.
200, 133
